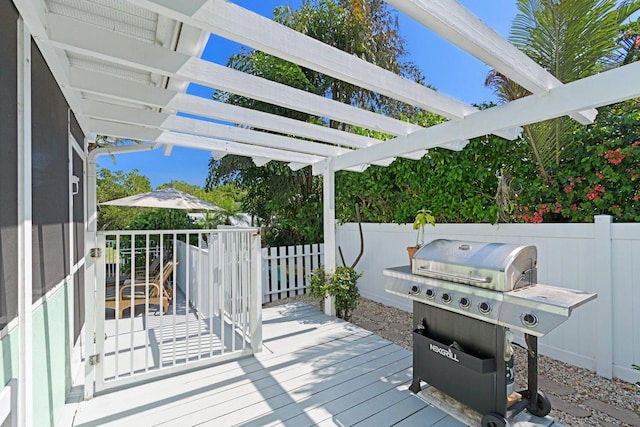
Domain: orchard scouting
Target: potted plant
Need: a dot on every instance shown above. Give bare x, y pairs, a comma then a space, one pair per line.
423, 217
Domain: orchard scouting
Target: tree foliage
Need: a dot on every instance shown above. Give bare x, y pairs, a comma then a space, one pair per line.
560, 171
572, 40
286, 203
115, 185
227, 197
599, 173
289, 203
455, 186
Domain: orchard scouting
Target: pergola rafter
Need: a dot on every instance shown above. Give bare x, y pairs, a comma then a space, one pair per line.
176, 102
156, 122
102, 44
459, 26
605, 88
236, 23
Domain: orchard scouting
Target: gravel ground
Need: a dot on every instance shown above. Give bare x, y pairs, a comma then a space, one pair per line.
579, 397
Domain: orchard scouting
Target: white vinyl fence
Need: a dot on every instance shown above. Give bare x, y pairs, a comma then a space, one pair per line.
603, 257
285, 270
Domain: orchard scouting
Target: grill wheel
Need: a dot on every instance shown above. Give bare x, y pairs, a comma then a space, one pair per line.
543, 406
494, 420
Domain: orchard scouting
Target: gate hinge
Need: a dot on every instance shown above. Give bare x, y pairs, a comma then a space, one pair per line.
94, 359
95, 252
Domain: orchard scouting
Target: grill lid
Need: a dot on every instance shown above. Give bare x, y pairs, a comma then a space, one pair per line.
497, 266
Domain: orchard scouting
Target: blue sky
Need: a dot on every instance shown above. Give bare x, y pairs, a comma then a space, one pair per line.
446, 67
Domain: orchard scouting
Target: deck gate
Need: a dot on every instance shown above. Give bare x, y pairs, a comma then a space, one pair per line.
196, 301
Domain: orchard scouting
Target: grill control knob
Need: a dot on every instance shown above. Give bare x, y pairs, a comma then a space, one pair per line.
464, 302
529, 320
484, 307
430, 293
446, 298
415, 289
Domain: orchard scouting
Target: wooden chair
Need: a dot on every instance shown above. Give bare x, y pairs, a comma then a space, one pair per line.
140, 273
155, 292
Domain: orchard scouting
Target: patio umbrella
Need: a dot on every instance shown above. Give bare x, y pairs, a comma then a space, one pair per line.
168, 198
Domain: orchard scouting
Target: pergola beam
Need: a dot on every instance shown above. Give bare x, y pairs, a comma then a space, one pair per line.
221, 146
100, 43
243, 26
164, 121
459, 26
260, 161
119, 117
126, 90
605, 88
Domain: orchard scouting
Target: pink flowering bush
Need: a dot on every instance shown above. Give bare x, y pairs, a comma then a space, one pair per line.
599, 173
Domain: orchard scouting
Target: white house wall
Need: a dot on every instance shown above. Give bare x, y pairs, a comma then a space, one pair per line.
40, 225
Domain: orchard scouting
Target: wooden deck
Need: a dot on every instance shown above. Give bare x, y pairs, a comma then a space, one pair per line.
313, 370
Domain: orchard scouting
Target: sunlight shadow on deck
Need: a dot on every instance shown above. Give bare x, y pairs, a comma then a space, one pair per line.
158, 341
320, 371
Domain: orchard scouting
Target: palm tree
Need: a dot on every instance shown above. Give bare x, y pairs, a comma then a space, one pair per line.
572, 39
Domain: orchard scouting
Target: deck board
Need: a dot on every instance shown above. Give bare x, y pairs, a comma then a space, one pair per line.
314, 370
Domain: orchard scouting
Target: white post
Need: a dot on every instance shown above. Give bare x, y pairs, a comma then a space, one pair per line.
25, 254
256, 287
90, 276
329, 221
90, 242
265, 262
602, 244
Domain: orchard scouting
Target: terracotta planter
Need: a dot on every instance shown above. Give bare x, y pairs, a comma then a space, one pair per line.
412, 251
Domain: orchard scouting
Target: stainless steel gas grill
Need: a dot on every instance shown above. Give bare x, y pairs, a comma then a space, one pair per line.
468, 297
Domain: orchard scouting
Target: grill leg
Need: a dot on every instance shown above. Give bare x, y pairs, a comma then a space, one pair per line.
415, 386
539, 404
532, 369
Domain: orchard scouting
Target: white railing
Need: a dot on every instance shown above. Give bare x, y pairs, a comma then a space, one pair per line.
603, 335
285, 269
112, 256
8, 404
196, 260
197, 300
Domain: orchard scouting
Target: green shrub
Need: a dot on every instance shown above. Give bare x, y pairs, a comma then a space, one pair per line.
341, 284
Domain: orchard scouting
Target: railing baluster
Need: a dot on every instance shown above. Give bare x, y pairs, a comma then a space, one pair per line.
173, 284
211, 286
223, 281
199, 294
117, 303
234, 284
187, 295
246, 252
162, 296
146, 305
132, 308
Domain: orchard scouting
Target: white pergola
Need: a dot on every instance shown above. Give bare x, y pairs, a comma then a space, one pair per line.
124, 65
